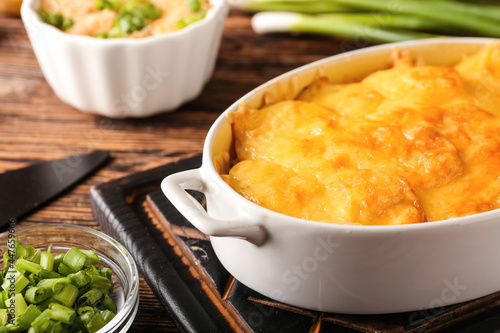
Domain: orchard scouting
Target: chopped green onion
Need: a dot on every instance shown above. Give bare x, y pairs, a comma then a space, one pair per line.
108, 304
74, 259
47, 261
23, 265
56, 20
55, 284
106, 272
45, 274
25, 252
194, 5
13, 328
57, 260
14, 282
133, 16
16, 305
91, 270
62, 313
184, 22
3, 297
28, 316
80, 279
68, 295
36, 295
43, 322
92, 297
102, 35
36, 257
83, 319
85, 309
36, 299
4, 317
65, 269
103, 4
100, 282
107, 315
95, 324
42, 306
67, 23
8, 263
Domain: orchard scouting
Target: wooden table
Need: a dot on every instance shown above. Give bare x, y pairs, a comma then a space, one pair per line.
35, 125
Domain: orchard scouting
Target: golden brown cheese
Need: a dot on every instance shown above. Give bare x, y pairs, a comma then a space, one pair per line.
405, 145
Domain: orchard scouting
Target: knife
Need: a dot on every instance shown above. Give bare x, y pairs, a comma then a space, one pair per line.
23, 190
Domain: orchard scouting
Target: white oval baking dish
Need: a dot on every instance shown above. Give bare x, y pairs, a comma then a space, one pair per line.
332, 267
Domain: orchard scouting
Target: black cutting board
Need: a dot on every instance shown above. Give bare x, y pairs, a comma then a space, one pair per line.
181, 268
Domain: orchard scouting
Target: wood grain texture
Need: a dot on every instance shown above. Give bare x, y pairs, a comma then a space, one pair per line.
35, 125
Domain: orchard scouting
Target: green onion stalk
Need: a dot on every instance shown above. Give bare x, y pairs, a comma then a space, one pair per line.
376, 21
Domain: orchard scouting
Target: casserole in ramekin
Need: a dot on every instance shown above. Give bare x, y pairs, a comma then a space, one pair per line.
334, 267
127, 77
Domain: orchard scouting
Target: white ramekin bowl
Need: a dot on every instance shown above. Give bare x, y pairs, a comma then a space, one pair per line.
124, 77
332, 267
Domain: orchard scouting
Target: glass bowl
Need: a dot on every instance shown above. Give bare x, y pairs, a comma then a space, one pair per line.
111, 253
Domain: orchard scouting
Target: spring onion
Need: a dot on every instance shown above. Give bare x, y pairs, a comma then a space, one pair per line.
45, 274
100, 282
14, 282
56, 20
194, 5
62, 313
91, 257
108, 304
29, 315
91, 297
132, 15
301, 6
106, 272
79, 279
74, 259
55, 284
23, 265
16, 305
64, 269
47, 261
34, 297
108, 315
57, 260
95, 324
4, 317
36, 257
376, 21
104, 4
85, 309
184, 22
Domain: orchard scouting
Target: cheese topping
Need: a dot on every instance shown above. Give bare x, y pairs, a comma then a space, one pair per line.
409, 144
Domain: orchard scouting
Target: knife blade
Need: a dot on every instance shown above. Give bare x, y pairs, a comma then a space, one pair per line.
23, 190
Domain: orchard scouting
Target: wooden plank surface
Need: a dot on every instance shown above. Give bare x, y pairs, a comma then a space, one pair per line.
35, 125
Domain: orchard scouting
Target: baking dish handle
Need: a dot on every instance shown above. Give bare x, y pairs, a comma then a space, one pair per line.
174, 186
